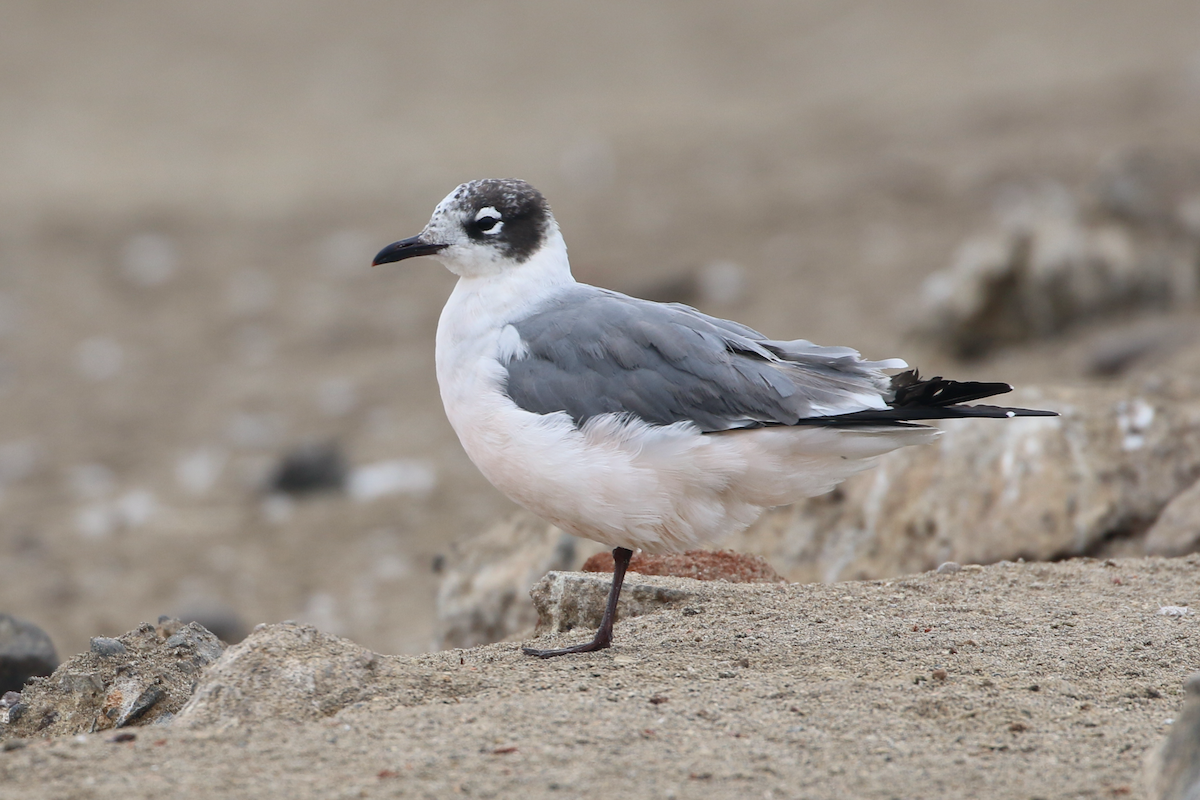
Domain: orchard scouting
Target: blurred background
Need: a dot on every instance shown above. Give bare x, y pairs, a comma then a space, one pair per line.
210, 404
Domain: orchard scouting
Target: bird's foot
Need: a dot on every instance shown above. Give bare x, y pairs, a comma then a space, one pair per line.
598, 643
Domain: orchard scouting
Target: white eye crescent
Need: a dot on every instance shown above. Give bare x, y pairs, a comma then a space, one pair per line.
488, 220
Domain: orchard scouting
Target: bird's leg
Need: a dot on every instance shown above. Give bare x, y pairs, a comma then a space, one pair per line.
603, 638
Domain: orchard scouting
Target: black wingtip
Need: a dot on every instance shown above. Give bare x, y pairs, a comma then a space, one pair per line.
910, 389
917, 399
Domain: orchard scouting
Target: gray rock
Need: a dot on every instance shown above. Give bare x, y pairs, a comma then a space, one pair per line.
569, 600
25, 652
286, 671
1038, 488
1176, 532
141, 677
1173, 768
104, 646
1046, 268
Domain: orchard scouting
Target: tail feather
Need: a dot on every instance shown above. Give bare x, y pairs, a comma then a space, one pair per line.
915, 398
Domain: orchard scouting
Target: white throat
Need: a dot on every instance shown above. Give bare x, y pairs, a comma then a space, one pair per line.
474, 320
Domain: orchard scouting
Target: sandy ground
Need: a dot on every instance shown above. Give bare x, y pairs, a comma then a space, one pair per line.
1010, 681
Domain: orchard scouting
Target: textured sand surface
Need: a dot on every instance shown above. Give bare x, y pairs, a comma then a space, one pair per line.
1010, 681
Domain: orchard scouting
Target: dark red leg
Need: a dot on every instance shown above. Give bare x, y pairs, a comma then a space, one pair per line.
603, 636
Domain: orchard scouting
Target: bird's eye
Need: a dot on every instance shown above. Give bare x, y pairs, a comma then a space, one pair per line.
486, 223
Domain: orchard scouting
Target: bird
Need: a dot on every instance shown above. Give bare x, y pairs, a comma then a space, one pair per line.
643, 425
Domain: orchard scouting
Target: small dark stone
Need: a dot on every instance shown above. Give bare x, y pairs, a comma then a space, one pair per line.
15, 712
13, 744
123, 737
48, 719
310, 468
691, 612
25, 652
104, 646
144, 703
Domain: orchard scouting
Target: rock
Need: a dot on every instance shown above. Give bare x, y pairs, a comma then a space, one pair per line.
569, 600
1048, 267
141, 677
1176, 532
1038, 488
284, 671
700, 565
25, 652
104, 646
484, 593
949, 568
1173, 768
310, 468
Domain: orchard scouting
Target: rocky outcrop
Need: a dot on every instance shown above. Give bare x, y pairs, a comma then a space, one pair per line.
1094, 479
1053, 261
1176, 531
284, 671
140, 678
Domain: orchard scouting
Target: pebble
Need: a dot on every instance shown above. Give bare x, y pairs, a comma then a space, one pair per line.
310, 468
104, 646
949, 568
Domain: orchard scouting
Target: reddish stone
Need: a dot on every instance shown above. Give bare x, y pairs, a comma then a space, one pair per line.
702, 565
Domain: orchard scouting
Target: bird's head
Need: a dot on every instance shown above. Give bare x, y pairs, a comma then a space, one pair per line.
481, 227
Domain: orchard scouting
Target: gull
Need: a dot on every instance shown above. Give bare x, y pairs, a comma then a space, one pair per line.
644, 425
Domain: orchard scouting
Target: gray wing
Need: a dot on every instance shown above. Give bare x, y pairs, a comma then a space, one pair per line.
590, 352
